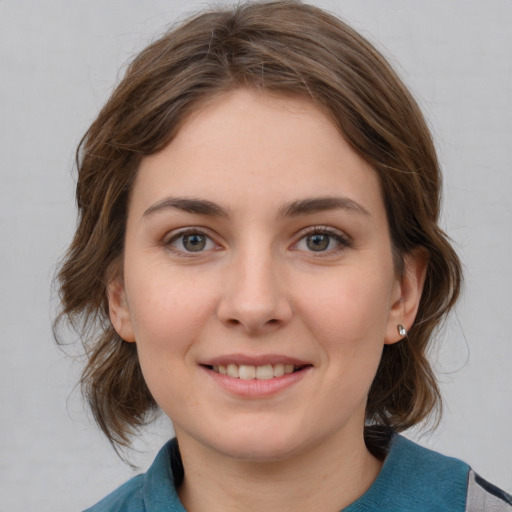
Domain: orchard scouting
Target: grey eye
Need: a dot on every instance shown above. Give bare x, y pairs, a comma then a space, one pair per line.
194, 242
318, 242
190, 242
323, 241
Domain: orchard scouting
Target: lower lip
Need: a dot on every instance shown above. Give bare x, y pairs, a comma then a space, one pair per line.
255, 388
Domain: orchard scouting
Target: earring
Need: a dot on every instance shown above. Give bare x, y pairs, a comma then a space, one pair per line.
402, 330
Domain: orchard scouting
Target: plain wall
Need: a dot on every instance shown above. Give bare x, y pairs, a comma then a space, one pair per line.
59, 62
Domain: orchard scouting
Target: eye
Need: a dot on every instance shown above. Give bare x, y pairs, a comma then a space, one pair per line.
318, 242
190, 242
322, 240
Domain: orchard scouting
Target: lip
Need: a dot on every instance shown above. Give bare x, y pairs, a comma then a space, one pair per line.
259, 360
254, 388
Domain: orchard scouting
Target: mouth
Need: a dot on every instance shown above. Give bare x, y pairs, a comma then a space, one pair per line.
256, 372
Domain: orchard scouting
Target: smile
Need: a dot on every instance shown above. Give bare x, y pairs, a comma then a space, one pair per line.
256, 377
250, 372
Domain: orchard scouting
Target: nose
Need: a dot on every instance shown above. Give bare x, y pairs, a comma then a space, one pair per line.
255, 296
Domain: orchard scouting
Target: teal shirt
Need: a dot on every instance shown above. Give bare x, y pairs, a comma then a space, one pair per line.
412, 479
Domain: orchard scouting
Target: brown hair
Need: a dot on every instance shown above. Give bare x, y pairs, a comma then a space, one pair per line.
285, 47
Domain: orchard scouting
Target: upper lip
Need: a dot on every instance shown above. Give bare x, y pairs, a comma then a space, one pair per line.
260, 360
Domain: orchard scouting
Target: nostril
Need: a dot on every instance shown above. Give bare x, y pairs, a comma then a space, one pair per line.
234, 322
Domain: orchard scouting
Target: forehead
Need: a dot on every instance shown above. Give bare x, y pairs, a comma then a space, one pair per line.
247, 147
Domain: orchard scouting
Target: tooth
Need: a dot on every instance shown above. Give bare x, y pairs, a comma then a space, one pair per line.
232, 370
278, 370
264, 372
247, 372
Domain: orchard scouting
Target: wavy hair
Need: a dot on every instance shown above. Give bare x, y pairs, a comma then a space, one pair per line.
284, 47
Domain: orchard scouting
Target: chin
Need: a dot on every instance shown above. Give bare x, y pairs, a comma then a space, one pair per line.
252, 444
256, 450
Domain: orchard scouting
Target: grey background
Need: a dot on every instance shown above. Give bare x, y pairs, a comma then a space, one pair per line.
59, 62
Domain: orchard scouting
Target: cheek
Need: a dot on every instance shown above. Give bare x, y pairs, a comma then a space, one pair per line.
167, 311
348, 317
349, 309
167, 324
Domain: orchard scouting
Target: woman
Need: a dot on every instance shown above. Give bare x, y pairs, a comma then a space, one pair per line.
258, 246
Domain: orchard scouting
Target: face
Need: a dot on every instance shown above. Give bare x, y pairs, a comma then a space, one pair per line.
259, 282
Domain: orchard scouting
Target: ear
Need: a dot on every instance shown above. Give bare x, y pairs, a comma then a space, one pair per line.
119, 311
407, 295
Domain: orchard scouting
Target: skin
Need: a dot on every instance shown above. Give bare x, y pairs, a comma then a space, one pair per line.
259, 288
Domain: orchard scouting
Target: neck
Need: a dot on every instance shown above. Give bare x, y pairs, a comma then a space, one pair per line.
327, 478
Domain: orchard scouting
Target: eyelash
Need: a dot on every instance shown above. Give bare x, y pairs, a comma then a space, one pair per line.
169, 241
343, 241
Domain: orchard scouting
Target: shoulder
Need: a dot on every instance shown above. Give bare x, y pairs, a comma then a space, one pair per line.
454, 482
153, 491
484, 496
127, 498
416, 479
425, 476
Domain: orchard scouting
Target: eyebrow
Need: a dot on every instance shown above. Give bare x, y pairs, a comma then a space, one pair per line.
296, 208
189, 205
319, 204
